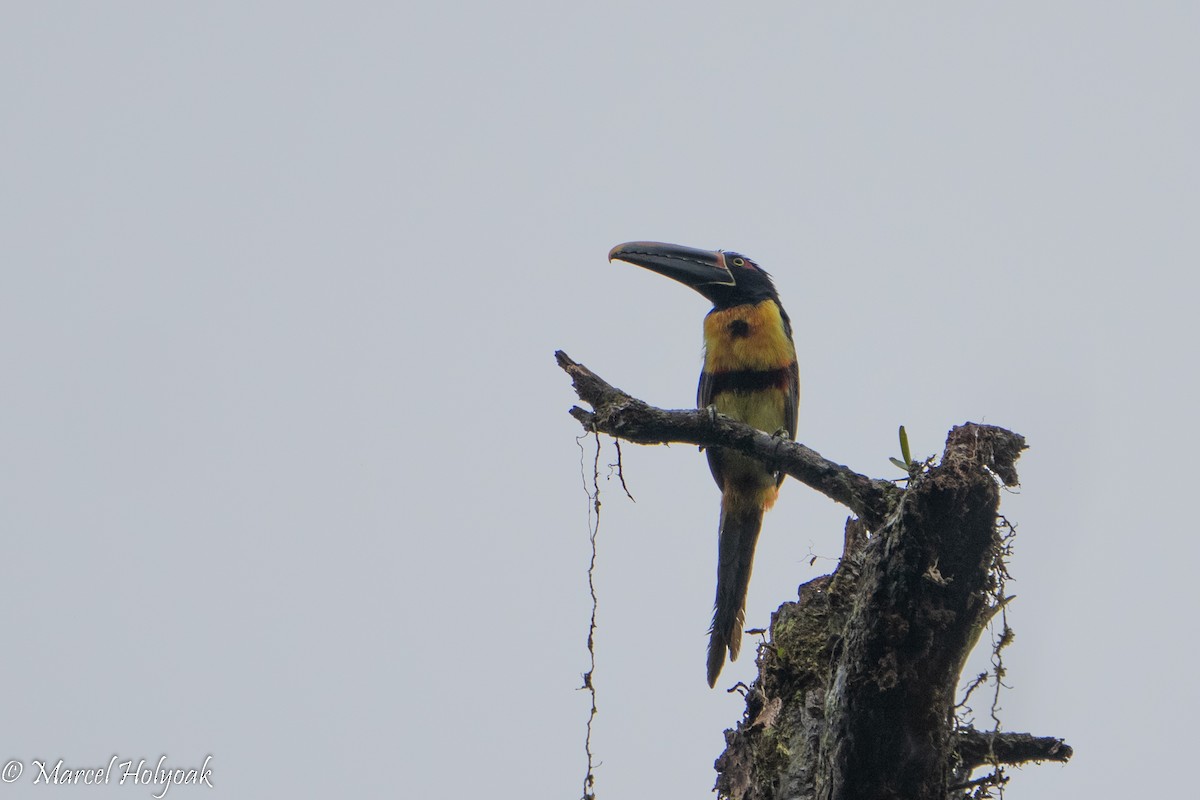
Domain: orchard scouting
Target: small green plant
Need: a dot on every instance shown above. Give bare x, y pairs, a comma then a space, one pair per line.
906, 462
905, 453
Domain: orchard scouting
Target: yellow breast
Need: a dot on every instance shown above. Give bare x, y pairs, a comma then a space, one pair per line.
747, 337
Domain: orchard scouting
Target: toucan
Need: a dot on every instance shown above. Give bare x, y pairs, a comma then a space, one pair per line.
750, 374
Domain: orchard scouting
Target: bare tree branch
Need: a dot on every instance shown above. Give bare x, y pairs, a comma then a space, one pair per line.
625, 417
979, 748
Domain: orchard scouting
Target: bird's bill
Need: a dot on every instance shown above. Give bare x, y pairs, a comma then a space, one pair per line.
688, 265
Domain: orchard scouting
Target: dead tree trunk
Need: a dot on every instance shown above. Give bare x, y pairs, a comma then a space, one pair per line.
855, 698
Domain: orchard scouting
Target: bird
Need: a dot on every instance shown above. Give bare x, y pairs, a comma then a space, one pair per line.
750, 373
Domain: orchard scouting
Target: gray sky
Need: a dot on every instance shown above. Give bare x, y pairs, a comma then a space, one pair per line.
285, 466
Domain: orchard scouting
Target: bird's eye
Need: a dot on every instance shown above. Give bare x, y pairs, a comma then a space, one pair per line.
739, 262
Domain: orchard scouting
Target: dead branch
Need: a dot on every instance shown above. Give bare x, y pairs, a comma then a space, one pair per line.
625, 417
980, 748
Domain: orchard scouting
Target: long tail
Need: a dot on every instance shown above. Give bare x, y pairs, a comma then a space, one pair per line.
741, 520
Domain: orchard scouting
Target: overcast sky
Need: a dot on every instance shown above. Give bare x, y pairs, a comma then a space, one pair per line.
286, 473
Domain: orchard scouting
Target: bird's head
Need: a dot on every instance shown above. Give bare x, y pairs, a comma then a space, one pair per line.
724, 277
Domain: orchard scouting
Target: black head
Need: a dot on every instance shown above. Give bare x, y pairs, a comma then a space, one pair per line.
724, 277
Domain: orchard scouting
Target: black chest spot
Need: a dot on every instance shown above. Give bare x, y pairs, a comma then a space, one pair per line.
739, 328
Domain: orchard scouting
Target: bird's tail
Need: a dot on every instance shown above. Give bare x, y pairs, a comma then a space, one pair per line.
741, 520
